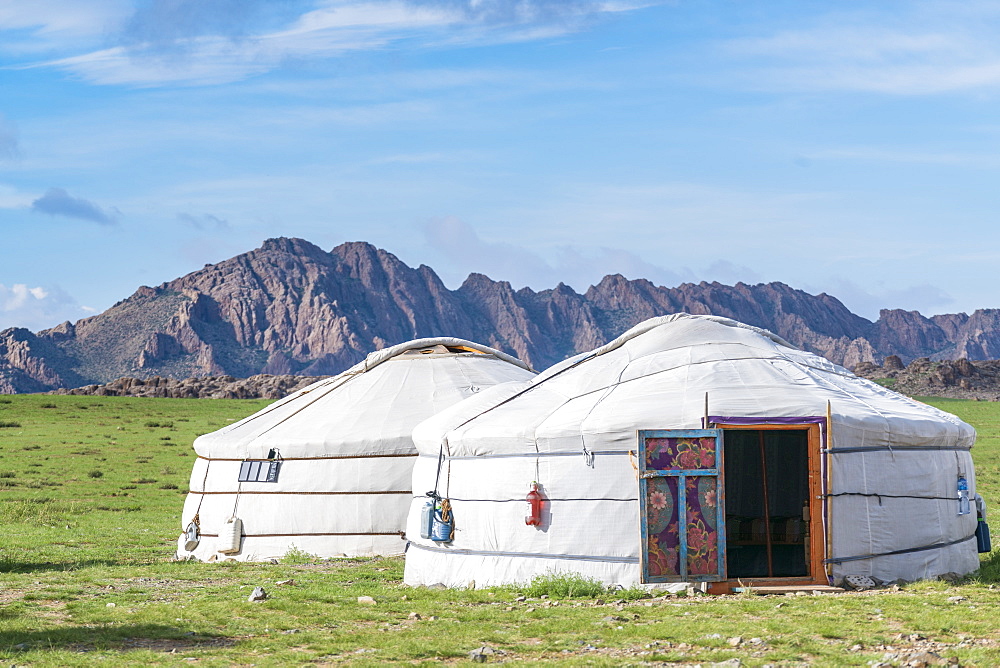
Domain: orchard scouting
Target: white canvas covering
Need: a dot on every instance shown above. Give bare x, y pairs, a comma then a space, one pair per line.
343, 484
655, 376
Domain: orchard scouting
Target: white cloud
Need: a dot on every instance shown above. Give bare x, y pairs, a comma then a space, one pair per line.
12, 198
575, 265
36, 308
336, 28
914, 49
868, 301
42, 26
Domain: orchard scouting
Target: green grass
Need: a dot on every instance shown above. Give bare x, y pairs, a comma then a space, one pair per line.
86, 576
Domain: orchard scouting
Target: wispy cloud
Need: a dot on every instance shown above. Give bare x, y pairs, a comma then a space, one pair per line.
58, 202
912, 49
217, 41
45, 26
205, 222
873, 154
36, 307
868, 301
465, 251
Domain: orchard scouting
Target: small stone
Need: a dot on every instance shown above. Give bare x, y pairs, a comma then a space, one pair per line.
366, 600
923, 659
110, 605
756, 641
599, 601
509, 608
859, 582
956, 599
433, 618
530, 610
285, 583
854, 648
292, 631
735, 642
258, 594
714, 636
414, 615
436, 585
728, 663
520, 599
405, 598
480, 654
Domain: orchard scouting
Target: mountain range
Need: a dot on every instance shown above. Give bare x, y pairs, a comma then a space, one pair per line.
289, 307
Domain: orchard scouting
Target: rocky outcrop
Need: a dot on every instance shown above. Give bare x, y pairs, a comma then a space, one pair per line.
291, 308
956, 379
263, 386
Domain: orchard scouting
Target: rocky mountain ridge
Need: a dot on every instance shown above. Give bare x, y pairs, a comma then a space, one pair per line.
291, 308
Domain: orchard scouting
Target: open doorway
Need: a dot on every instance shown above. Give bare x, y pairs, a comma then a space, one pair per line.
767, 488
772, 514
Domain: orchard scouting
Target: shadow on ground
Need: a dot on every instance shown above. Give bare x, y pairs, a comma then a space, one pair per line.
154, 637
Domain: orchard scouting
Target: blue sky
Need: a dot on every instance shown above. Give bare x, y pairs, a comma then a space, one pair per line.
844, 147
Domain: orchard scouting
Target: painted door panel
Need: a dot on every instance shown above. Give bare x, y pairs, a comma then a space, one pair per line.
681, 505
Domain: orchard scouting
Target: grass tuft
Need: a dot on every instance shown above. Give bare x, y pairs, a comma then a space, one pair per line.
565, 585
9, 424
296, 556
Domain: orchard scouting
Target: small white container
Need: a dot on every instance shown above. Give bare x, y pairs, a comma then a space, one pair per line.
231, 535
191, 537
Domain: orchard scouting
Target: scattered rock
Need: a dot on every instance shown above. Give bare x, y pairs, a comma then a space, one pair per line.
735, 642
366, 600
110, 605
258, 594
481, 654
923, 660
413, 615
285, 583
859, 582
956, 599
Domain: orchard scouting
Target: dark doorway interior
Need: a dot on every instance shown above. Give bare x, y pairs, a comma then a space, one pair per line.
767, 499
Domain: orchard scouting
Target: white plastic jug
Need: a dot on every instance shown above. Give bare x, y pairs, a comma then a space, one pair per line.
191, 537
231, 535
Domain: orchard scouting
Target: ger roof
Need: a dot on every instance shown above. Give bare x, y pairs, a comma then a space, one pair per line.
371, 407
656, 376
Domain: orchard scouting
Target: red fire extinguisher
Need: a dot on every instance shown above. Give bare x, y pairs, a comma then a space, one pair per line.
534, 500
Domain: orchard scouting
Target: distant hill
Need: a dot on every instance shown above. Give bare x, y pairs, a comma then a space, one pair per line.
290, 307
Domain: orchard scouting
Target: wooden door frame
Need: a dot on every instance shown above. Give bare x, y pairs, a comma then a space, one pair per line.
817, 500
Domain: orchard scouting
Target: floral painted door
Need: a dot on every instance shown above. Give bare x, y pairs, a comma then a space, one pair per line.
681, 506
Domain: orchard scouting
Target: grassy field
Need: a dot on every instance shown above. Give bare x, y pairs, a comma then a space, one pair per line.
92, 489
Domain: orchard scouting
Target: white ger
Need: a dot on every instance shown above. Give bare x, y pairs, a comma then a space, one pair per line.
695, 449
327, 470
